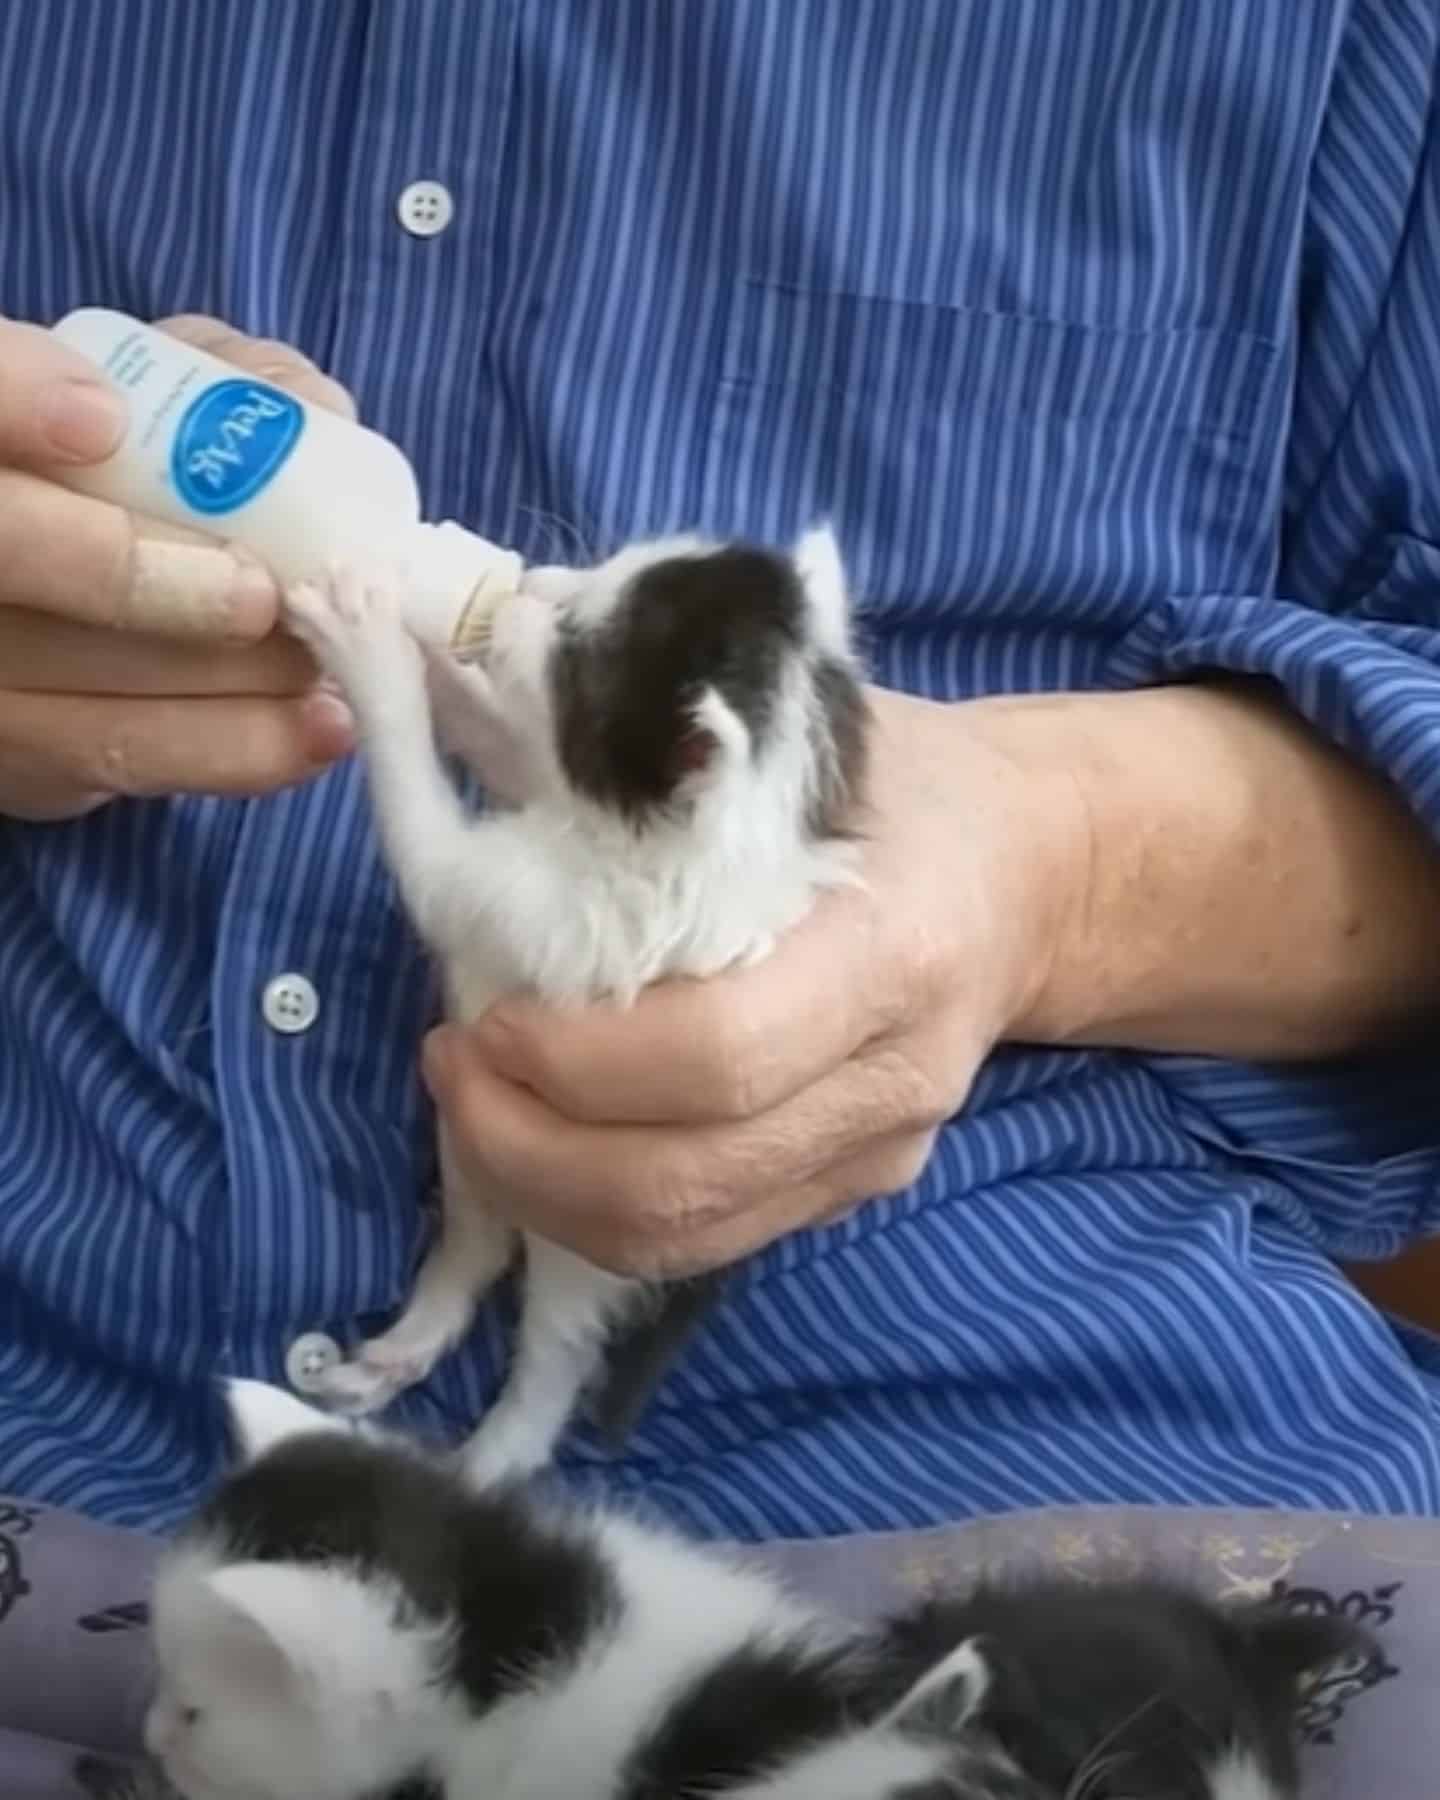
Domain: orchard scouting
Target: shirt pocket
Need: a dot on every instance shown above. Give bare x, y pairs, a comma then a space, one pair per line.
994, 467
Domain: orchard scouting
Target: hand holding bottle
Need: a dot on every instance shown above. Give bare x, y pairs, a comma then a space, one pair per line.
136, 658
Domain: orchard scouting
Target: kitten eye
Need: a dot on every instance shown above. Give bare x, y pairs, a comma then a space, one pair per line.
189, 1715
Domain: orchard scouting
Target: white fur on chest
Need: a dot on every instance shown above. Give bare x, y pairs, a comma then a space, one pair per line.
562, 911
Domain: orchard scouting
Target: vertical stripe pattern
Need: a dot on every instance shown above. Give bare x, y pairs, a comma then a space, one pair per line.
1106, 333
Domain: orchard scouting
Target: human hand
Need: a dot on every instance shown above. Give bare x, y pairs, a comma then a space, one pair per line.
134, 658
714, 1117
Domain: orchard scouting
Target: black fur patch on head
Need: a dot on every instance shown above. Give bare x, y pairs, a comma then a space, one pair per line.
624, 692
752, 1710
1164, 1679
520, 1591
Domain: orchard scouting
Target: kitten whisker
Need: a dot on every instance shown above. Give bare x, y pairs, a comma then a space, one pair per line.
585, 548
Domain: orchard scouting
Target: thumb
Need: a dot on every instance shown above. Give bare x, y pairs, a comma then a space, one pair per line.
443, 1059
55, 406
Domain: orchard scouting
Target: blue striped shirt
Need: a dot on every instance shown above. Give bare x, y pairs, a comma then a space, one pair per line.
1108, 334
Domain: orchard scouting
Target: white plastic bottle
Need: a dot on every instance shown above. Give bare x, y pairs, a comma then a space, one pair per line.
223, 452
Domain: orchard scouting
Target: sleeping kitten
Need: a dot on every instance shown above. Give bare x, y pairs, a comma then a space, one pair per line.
1134, 1688
348, 1620
679, 734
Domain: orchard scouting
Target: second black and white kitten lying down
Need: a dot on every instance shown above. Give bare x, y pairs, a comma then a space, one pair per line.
680, 735
350, 1620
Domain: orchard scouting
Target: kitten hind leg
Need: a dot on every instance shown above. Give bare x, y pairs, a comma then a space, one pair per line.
473, 1251
570, 1308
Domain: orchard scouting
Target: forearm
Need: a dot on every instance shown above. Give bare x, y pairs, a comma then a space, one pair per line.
1229, 884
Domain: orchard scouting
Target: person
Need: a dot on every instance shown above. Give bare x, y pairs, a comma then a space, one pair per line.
1106, 336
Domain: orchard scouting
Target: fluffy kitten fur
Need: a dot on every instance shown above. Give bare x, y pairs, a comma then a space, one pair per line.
347, 1620
679, 735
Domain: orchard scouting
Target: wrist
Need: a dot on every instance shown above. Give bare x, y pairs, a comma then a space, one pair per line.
1039, 865
997, 862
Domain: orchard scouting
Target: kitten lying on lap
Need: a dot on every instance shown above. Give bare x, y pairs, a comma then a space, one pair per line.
348, 1620
680, 736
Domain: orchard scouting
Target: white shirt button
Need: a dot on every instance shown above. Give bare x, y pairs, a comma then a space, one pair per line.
425, 208
290, 1004
308, 1359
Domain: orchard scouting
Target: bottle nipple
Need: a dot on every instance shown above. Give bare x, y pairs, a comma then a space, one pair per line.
470, 639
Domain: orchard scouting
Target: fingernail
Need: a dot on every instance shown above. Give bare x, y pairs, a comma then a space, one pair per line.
329, 725
82, 421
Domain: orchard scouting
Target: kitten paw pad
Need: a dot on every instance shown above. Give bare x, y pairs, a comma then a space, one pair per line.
375, 1375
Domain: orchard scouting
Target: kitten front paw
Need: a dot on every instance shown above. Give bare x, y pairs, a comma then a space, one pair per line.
378, 1372
354, 627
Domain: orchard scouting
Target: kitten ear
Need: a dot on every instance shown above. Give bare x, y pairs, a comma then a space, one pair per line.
822, 575
282, 1624
947, 1696
713, 737
262, 1416
246, 1628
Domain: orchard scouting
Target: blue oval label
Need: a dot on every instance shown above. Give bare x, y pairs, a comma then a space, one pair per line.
232, 442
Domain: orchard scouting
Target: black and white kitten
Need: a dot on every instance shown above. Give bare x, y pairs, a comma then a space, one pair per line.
347, 1619
680, 736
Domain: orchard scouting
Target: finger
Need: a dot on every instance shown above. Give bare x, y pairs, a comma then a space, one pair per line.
40, 795
268, 358
140, 747
42, 654
53, 406
618, 1206
888, 1166
726, 1048
80, 558
664, 1186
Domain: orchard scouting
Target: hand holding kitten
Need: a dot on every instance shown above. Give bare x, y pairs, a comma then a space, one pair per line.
714, 1117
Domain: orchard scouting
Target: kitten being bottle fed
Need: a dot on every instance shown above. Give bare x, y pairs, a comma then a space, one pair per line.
680, 734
